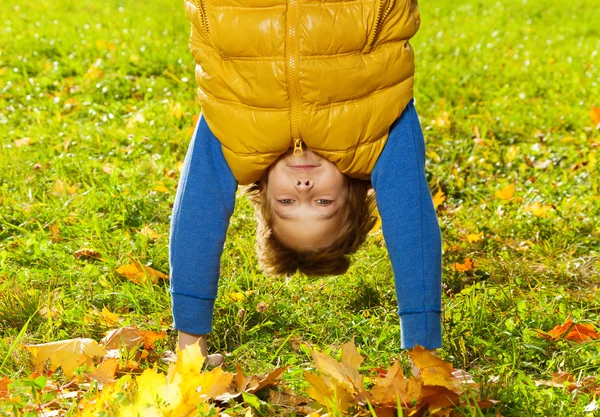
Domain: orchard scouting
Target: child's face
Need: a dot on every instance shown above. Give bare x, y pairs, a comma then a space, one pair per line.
308, 198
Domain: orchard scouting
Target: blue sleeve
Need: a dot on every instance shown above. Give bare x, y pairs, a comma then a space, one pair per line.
203, 206
411, 231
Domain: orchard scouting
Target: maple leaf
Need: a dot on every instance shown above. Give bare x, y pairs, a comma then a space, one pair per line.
66, 354
4, 382
506, 193
570, 331
59, 188
595, 115
105, 372
466, 266
130, 337
149, 233
344, 372
438, 198
136, 272
392, 386
433, 370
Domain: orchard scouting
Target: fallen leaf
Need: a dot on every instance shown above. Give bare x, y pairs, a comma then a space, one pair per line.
66, 354
438, 198
595, 115
570, 331
105, 372
130, 337
136, 272
467, 265
506, 193
22, 142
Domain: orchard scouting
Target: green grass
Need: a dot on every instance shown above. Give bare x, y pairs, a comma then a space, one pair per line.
524, 74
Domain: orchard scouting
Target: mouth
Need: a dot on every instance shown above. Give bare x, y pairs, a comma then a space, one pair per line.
303, 167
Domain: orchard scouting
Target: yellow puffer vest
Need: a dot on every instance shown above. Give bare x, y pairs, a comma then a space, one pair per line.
272, 73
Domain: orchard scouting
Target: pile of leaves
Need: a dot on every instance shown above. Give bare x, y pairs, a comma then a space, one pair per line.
436, 390
187, 389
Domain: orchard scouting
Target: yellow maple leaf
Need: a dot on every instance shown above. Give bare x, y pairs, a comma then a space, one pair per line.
433, 370
59, 187
105, 372
506, 193
66, 354
109, 317
328, 393
474, 237
236, 297
136, 272
149, 233
538, 209
345, 372
438, 198
160, 187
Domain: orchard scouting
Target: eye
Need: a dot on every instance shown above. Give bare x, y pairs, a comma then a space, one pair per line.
324, 202
286, 201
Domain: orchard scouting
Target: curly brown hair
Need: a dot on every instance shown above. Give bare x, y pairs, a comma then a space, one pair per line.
274, 258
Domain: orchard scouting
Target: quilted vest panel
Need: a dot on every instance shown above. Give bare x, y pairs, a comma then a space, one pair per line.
332, 74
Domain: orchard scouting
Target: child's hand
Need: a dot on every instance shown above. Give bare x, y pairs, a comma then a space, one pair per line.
186, 339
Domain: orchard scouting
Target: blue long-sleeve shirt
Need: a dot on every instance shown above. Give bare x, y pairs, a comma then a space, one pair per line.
205, 200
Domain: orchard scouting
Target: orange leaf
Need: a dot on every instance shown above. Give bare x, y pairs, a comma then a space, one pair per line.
466, 266
595, 115
575, 332
4, 382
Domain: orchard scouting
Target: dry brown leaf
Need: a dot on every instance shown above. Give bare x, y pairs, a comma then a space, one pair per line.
265, 381
87, 253
66, 354
130, 337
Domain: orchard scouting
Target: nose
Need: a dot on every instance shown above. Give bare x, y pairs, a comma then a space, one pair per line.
303, 184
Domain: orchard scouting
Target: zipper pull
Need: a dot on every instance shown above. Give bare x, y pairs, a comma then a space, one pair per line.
298, 147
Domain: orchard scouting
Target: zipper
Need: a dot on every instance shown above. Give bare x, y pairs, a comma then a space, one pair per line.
201, 6
379, 18
292, 69
298, 147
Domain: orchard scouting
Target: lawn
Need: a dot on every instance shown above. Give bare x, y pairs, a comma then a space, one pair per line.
97, 106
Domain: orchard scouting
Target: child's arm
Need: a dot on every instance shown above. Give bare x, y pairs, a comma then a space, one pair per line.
203, 205
411, 231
